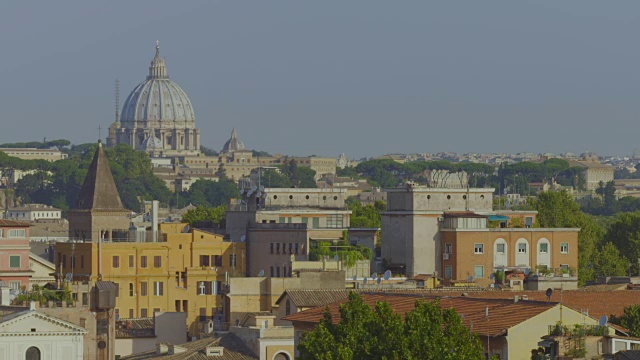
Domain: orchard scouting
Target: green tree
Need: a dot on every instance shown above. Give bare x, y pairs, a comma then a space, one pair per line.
274, 179
215, 214
428, 332
559, 210
624, 233
608, 262
630, 319
209, 193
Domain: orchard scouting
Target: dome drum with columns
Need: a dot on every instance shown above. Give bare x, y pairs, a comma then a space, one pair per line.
157, 117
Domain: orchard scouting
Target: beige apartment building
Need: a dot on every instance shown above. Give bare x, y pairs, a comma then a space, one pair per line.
35, 154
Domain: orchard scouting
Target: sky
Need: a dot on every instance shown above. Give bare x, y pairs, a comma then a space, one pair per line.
364, 78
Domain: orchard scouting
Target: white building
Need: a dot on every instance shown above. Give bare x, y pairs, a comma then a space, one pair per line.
29, 334
34, 212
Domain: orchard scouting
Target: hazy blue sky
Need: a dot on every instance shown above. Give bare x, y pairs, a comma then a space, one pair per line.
324, 77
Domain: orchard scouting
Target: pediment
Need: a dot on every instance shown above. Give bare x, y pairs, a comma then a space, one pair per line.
37, 322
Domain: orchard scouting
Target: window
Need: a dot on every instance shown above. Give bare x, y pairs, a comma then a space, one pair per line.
479, 271
528, 221
448, 248
271, 248
305, 220
500, 248
316, 223
202, 288
334, 221
216, 260
564, 267
143, 313
85, 298
131, 314
203, 314
296, 247
544, 248
130, 289
15, 285
17, 233
143, 261
204, 260
564, 248
14, 261
82, 261
143, 288
232, 260
522, 248
290, 248
157, 261
478, 248
272, 273
288, 307
158, 288
131, 260
277, 271
116, 261
448, 271
277, 248
281, 220
284, 248
73, 261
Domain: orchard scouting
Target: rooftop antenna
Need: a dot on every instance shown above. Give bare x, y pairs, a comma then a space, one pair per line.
117, 112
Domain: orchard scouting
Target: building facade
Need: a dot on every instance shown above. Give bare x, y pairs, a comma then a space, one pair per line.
182, 272
15, 271
34, 212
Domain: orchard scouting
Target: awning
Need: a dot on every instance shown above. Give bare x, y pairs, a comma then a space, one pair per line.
498, 218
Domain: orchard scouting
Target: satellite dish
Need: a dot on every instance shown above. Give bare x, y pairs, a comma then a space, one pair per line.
387, 274
375, 275
335, 258
186, 229
470, 278
264, 195
549, 292
258, 194
250, 193
253, 189
241, 191
603, 320
261, 188
239, 201
243, 238
261, 273
378, 281
492, 276
355, 277
68, 277
364, 281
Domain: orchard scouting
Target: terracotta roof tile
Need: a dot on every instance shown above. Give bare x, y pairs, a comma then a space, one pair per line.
312, 297
234, 349
503, 313
13, 223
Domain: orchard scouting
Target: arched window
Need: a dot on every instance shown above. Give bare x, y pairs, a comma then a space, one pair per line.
281, 356
33, 353
287, 307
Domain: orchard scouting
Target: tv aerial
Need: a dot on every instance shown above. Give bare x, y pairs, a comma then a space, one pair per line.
261, 273
364, 281
387, 274
375, 275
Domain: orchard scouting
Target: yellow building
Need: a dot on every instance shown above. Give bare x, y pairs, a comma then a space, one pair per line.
183, 271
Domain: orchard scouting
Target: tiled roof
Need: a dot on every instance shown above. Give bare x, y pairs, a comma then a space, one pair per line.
604, 287
135, 328
596, 303
13, 223
312, 298
503, 314
234, 349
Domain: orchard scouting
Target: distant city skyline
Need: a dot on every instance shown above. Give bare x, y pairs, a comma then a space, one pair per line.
360, 78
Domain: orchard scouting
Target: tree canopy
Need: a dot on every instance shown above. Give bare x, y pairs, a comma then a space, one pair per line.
427, 332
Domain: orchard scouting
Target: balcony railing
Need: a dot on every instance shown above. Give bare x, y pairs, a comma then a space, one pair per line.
577, 330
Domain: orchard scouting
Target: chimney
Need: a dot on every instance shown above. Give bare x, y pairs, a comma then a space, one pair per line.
154, 220
515, 299
161, 348
32, 305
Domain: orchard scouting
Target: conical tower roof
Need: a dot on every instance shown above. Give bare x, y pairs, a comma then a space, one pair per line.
98, 190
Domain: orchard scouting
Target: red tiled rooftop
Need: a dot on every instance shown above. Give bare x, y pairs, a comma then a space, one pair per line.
13, 223
503, 313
